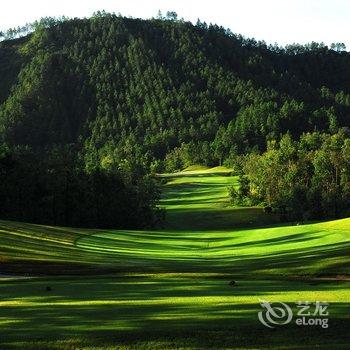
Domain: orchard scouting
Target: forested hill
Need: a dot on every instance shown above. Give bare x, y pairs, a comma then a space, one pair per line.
122, 88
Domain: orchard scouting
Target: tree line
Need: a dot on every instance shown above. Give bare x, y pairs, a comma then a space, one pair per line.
300, 180
54, 187
148, 96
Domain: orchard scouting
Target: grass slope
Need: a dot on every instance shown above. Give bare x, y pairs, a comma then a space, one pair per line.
198, 199
168, 288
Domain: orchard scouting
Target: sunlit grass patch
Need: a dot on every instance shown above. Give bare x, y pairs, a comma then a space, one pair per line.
169, 288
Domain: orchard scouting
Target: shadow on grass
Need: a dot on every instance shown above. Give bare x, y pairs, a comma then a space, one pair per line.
172, 312
203, 254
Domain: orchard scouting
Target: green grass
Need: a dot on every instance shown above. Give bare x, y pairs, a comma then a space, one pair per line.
158, 310
198, 199
168, 288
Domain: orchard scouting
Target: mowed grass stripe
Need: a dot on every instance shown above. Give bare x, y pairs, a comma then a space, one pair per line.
313, 248
171, 289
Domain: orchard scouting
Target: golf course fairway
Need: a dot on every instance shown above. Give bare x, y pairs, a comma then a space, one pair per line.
169, 288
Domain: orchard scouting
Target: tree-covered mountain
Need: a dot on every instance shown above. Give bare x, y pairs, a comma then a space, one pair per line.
123, 88
128, 96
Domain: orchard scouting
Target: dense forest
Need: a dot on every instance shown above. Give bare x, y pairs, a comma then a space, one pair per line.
101, 102
300, 180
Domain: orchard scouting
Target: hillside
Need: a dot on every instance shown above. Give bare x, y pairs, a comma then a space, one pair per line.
122, 88
91, 109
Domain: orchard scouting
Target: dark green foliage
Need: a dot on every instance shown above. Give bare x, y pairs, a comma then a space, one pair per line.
309, 179
10, 64
54, 188
240, 195
136, 96
145, 88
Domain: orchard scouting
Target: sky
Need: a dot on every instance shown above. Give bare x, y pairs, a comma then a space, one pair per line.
281, 21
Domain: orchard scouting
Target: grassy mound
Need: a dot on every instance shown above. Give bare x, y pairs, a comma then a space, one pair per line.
196, 168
